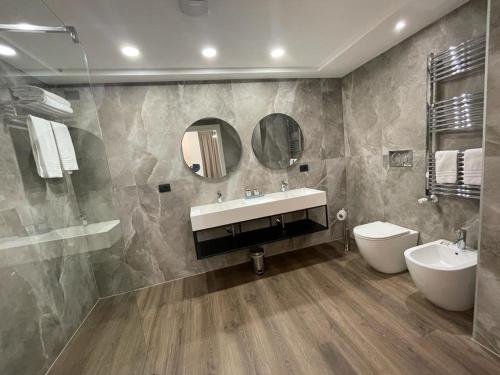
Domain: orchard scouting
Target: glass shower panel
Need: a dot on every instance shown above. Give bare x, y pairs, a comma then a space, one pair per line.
53, 231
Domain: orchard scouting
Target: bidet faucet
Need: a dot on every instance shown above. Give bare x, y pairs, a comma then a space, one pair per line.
219, 197
284, 185
461, 237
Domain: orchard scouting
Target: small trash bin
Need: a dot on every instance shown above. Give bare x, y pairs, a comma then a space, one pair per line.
257, 255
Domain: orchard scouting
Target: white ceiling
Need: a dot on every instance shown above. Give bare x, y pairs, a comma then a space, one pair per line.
322, 38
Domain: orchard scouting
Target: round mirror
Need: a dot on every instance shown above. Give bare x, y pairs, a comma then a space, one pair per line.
277, 141
211, 148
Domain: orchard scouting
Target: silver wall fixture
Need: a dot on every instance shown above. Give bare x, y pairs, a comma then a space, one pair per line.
459, 114
24, 28
456, 60
401, 158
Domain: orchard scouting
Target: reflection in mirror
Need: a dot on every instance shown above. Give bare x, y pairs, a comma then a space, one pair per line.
277, 141
211, 148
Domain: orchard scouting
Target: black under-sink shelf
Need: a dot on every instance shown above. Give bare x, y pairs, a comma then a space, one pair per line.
256, 237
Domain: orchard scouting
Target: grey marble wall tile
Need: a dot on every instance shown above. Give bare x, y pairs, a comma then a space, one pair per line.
363, 131
336, 193
20, 328
43, 303
333, 141
112, 273
384, 109
97, 206
307, 111
143, 268
365, 180
158, 243
313, 178
487, 320
493, 117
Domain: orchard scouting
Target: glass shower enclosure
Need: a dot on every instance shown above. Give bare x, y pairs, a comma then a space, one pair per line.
53, 231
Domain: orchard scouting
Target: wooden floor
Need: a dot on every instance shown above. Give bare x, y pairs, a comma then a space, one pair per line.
315, 311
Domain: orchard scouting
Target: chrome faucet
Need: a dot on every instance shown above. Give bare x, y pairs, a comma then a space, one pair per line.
284, 185
219, 197
461, 237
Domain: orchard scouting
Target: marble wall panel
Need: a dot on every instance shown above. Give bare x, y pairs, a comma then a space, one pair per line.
487, 317
142, 127
42, 305
385, 109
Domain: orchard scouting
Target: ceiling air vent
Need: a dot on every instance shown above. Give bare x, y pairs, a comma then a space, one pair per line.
194, 8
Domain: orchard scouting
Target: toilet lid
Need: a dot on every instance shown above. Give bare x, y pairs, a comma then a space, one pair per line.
379, 230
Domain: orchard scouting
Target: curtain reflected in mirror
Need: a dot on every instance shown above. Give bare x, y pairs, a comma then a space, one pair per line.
277, 141
211, 148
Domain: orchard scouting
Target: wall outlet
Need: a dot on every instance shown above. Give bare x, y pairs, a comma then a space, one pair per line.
164, 188
304, 168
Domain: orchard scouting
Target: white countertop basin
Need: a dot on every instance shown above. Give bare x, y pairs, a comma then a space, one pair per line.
238, 210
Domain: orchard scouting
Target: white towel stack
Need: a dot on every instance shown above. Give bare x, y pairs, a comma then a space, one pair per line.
473, 166
43, 98
44, 148
65, 147
446, 167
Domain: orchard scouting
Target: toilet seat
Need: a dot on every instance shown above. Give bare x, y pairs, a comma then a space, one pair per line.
379, 230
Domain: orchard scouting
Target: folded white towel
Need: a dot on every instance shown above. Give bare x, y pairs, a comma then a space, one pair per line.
43, 99
44, 148
44, 109
446, 167
57, 105
473, 166
31, 92
65, 147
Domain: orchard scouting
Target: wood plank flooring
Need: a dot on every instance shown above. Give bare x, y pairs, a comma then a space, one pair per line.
316, 311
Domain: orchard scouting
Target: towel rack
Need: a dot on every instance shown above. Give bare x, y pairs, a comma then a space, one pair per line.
464, 112
34, 107
10, 111
463, 58
459, 189
458, 114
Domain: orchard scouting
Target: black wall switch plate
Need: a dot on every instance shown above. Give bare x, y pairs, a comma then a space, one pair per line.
164, 188
304, 168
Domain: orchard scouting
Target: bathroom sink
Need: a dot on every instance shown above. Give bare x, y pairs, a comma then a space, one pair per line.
238, 210
444, 274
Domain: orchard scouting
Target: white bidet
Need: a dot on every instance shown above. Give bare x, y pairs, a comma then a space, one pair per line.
445, 275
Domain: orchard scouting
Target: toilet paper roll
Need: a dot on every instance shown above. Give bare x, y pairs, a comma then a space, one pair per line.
342, 215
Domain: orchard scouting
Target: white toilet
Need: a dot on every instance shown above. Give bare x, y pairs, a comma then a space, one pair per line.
383, 245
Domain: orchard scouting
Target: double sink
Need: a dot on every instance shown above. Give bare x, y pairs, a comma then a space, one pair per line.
240, 210
236, 214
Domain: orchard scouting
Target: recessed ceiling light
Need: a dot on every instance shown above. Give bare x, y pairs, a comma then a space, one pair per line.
130, 51
6, 50
277, 52
209, 52
400, 25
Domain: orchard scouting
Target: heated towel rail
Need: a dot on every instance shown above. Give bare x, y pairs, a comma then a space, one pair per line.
462, 113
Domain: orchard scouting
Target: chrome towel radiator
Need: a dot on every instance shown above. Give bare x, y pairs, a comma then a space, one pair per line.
459, 114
